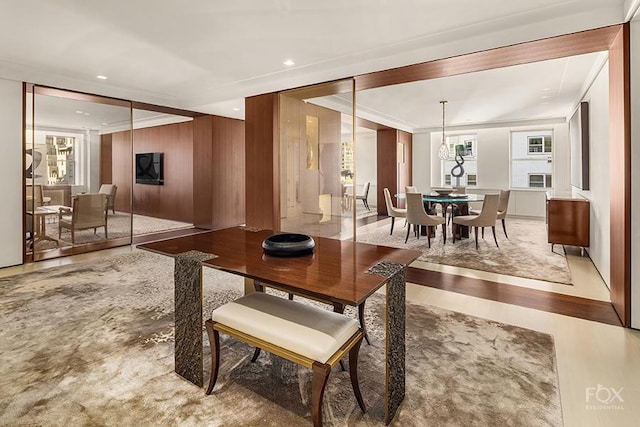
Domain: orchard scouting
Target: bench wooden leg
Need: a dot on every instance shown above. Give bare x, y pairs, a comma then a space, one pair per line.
256, 353
321, 373
214, 343
353, 373
362, 324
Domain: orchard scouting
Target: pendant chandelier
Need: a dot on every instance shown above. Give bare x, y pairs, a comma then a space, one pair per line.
443, 152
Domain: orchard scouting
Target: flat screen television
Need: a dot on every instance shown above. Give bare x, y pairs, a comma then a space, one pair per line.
149, 168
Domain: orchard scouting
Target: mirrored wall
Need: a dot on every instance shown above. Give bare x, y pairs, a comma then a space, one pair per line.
69, 207
317, 146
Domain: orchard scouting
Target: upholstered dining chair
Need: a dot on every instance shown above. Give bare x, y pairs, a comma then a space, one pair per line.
417, 216
364, 195
503, 206
87, 211
486, 218
392, 211
410, 189
110, 191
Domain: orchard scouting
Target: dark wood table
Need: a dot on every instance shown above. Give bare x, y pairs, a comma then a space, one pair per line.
341, 272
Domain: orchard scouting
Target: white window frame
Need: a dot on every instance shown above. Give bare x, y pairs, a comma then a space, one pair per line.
475, 181
547, 180
542, 145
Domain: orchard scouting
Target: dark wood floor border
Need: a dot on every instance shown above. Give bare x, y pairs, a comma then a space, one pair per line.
568, 305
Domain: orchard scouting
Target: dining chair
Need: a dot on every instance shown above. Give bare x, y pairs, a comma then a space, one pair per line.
410, 189
417, 216
503, 206
486, 218
110, 190
392, 211
364, 195
454, 208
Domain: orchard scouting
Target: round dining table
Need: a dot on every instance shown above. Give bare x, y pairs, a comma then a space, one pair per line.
461, 200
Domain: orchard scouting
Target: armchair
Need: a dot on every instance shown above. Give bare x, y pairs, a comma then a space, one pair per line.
110, 191
87, 211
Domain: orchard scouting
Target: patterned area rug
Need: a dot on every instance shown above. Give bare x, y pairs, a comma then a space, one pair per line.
92, 344
119, 225
525, 254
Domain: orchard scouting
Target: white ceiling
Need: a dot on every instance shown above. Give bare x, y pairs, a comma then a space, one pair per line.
207, 55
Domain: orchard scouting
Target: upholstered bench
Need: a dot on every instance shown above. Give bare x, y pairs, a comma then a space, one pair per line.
303, 334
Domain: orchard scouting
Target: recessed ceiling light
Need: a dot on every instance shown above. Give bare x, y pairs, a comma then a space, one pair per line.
546, 89
289, 63
236, 109
544, 97
79, 112
101, 77
104, 124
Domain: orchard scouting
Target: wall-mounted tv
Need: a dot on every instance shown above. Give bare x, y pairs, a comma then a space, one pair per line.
579, 140
149, 168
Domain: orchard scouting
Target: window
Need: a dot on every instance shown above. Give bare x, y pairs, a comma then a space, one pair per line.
60, 159
532, 158
540, 180
467, 147
539, 144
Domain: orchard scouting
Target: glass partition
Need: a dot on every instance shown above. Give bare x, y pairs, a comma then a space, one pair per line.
317, 171
71, 204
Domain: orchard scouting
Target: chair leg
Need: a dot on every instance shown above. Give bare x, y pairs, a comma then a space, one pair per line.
408, 229
504, 227
483, 232
363, 326
428, 237
393, 220
214, 343
353, 373
494, 235
454, 228
321, 373
444, 234
290, 297
256, 353
475, 231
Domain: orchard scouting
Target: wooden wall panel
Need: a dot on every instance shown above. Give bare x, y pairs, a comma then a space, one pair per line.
620, 174
262, 161
387, 168
218, 172
174, 199
228, 172
596, 40
122, 169
203, 172
106, 154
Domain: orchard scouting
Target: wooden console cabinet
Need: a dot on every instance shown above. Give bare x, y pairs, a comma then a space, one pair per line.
567, 220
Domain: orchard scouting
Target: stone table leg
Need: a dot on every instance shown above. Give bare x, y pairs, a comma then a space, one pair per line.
395, 335
188, 315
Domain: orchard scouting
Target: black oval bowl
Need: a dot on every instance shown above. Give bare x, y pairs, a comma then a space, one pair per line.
288, 244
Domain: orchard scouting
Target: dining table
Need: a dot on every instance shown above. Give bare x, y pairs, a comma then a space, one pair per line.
446, 200
337, 271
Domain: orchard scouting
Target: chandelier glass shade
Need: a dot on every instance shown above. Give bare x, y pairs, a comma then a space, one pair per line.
443, 151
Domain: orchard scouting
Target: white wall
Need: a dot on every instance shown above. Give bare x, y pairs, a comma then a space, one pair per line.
635, 174
11, 173
599, 178
494, 163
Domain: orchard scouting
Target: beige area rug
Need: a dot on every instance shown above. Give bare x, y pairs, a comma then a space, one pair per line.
525, 254
119, 225
92, 344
